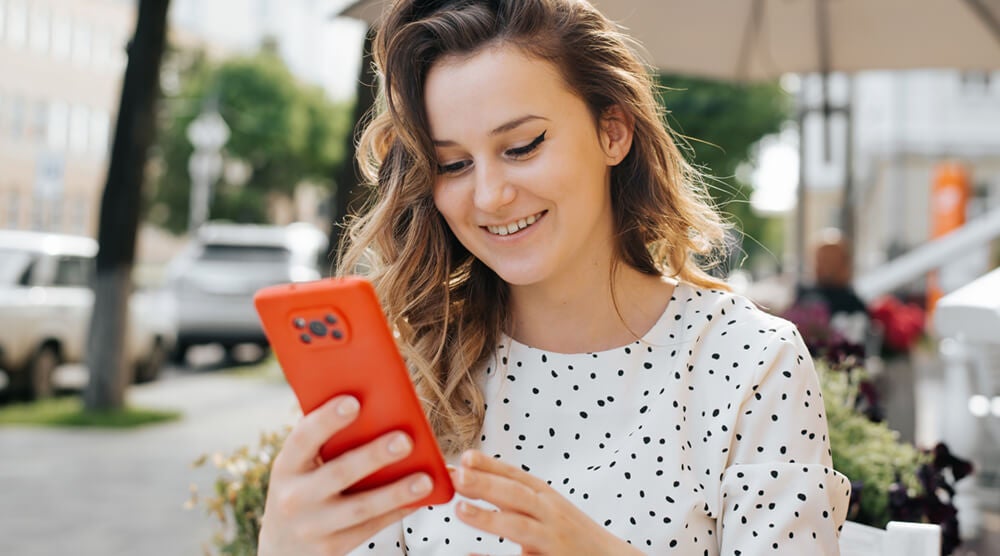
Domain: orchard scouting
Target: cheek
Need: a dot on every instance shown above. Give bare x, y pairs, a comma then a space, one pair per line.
448, 203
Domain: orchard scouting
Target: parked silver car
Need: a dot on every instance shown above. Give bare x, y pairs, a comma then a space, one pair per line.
46, 300
213, 280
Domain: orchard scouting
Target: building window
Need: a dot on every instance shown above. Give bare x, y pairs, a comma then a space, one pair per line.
79, 134
61, 37
99, 132
40, 30
17, 24
3, 21
13, 209
77, 209
82, 43
58, 130
40, 122
17, 117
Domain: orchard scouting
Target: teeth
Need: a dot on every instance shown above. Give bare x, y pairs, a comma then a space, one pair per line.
513, 226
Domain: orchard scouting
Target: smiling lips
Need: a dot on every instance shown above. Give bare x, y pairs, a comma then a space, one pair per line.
514, 227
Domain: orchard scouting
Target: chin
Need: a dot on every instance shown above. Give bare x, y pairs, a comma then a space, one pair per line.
519, 276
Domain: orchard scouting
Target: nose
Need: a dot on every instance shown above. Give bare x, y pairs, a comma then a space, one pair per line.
493, 190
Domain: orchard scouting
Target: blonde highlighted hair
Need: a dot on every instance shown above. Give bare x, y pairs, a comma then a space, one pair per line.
448, 307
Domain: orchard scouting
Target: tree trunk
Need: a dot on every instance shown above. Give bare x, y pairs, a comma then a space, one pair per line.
134, 133
349, 196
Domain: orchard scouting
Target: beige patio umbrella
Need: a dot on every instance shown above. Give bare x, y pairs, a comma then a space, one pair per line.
763, 39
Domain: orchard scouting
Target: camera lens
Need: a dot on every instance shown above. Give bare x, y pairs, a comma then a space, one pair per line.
330, 319
317, 328
306, 339
299, 323
338, 335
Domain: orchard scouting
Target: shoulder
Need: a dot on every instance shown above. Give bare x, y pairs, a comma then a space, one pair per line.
713, 312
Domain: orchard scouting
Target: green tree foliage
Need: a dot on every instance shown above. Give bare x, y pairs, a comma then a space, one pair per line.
285, 131
719, 123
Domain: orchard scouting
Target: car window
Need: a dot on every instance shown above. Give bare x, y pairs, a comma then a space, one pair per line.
73, 272
245, 253
15, 266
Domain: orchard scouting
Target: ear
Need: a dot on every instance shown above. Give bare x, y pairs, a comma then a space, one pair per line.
617, 128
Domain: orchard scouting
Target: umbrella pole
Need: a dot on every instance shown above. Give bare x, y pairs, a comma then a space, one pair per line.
847, 219
800, 197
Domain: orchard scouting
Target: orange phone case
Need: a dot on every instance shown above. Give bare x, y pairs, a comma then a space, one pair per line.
331, 338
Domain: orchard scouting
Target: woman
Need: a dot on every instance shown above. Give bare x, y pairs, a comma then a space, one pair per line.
534, 241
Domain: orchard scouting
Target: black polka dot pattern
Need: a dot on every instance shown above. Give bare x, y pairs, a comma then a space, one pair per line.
706, 437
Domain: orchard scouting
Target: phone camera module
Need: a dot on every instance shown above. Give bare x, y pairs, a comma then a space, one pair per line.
317, 328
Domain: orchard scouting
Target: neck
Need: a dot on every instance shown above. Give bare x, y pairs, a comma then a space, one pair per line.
586, 312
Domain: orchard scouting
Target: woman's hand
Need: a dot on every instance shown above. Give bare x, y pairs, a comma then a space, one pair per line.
531, 513
306, 511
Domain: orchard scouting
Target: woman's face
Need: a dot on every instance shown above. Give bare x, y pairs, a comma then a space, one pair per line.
523, 172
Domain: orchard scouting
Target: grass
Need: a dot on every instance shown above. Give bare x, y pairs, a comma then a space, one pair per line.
69, 412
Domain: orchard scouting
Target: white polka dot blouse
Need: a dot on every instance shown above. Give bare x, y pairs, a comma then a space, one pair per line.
708, 436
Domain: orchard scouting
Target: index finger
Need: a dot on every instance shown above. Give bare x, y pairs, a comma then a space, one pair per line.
478, 460
307, 437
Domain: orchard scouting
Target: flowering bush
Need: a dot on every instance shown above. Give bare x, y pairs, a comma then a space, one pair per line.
902, 324
240, 491
891, 480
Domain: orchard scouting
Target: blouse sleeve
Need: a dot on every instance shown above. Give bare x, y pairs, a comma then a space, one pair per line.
779, 489
387, 542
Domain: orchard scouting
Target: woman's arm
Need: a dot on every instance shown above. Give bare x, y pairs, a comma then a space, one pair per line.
779, 490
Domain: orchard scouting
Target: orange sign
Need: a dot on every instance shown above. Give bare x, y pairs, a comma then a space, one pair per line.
949, 197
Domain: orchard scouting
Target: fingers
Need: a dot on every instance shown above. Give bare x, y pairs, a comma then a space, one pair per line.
503, 492
373, 506
304, 442
353, 465
477, 460
521, 529
360, 533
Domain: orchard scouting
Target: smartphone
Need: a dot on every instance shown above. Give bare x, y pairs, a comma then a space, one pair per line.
331, 338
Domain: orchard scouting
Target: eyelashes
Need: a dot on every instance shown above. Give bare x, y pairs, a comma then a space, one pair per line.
527, 149
516, 153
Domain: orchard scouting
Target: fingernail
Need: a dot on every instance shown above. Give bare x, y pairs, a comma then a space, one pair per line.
462, 477
467, 508
399, 444
467, 457
421, 485
349, 406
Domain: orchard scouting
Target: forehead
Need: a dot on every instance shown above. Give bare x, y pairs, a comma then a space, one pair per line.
477, 92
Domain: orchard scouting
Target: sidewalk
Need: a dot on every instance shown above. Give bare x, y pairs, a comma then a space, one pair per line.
88, 492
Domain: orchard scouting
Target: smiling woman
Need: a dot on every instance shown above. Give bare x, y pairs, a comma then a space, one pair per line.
535, 242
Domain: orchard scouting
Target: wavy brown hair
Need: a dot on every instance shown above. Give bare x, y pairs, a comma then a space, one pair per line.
450, 309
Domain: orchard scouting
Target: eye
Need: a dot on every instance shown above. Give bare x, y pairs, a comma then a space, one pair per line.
519, 152
453, 168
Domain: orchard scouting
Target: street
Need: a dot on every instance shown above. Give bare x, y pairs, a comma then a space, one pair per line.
104, 492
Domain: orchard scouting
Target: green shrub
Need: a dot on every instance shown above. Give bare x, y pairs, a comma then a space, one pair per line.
868, 453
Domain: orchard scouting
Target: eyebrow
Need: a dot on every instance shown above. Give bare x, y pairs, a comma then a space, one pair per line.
502, 128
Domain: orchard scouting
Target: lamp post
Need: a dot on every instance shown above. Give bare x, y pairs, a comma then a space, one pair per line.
208, 133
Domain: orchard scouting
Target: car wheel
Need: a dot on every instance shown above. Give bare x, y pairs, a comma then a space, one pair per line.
179, 354
41, 369
148, 369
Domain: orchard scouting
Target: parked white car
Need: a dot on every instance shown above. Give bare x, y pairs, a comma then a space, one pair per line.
213, 280
46, 300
